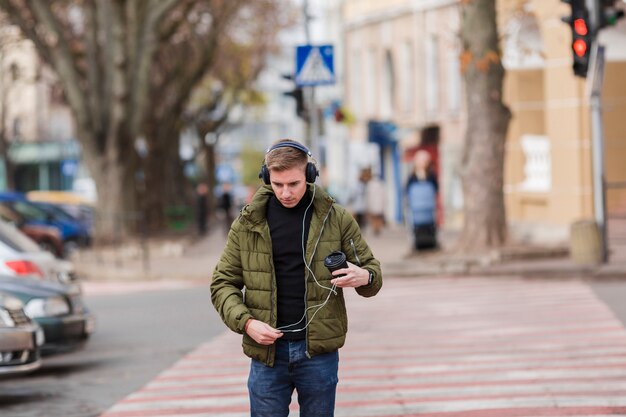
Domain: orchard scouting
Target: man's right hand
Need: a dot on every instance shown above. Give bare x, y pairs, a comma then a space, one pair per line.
262, 333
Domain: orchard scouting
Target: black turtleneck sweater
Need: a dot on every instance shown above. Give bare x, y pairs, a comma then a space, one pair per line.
287, 236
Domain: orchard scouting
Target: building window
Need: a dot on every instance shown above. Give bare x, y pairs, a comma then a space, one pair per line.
357, 85
388, 87
453, 83
538, 167
14, 70
523, 45
432, 74
369, 82
17, 129
407, 71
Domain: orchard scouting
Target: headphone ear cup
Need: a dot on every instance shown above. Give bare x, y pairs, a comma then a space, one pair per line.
264, 174
311, 172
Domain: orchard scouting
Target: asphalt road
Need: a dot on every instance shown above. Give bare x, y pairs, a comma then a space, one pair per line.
137, 336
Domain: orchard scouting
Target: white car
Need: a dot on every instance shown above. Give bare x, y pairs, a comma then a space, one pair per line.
22, 257
20, 338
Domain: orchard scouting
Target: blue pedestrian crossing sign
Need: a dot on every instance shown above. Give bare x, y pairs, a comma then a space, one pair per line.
314, 65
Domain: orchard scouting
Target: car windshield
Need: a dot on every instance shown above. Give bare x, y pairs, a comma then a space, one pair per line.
11, 236
30, 211
57, 212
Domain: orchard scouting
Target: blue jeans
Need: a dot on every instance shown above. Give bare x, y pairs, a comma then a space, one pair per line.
314, 379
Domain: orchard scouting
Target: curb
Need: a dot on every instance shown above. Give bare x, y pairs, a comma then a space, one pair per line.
416, 270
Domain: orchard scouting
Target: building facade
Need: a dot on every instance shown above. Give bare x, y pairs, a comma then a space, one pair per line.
402, 72
402, 68
37, 125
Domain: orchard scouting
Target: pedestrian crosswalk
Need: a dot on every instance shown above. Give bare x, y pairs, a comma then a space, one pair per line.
440, 347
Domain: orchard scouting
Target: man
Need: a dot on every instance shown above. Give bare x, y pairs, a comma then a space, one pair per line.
202, 191
226, 204
271, 285
421, 191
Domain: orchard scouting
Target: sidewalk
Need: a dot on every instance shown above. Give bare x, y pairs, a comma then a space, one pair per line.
189, 258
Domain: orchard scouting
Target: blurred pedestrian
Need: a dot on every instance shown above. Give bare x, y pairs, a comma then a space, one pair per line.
226, 205
202, 191
293, 316
421, 190
376, 201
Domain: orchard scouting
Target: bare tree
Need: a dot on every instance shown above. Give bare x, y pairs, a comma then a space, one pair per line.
223, 67
127, 68
488, 120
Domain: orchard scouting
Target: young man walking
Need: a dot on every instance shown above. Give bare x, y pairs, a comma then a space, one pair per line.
271, 285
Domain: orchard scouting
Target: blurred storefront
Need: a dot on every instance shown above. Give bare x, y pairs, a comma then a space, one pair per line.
45, 165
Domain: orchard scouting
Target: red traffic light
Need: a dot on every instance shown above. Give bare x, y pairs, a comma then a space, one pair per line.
580, 27
580, 47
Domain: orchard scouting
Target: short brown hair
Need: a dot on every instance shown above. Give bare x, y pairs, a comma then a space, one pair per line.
286, 157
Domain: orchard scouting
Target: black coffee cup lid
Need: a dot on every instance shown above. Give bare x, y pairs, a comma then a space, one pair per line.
334, 259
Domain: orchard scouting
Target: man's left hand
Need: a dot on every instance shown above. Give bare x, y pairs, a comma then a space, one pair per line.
354, 276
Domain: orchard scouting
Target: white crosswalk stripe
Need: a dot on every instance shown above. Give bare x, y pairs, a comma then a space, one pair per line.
441, 347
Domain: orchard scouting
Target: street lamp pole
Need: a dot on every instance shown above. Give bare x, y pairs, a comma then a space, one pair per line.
313, 129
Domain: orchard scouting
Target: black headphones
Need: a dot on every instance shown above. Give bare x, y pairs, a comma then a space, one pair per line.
311, 171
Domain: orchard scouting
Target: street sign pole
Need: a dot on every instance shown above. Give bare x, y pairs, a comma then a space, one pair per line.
597, 143
312, 129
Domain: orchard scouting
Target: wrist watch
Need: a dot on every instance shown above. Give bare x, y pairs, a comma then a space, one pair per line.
371, 280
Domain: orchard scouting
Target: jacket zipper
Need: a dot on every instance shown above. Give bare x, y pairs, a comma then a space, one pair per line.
272, 290
306, 318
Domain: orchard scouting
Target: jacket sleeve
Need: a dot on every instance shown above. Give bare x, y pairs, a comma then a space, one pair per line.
227, 286
359, 253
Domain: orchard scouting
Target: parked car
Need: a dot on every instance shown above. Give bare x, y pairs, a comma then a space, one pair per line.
75, 204
61, 213
21, 257
20, 338
47, 237
73, 233
66, 322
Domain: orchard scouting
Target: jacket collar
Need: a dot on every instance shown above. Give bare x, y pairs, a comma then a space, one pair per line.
253, 214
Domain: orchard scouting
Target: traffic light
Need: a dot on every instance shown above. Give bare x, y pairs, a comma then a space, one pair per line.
608, 13
582, 35
298, 94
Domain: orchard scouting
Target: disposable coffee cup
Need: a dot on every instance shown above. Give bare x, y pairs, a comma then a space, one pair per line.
336, 260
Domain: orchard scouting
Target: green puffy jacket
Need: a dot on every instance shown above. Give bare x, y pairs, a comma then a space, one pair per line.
244, 282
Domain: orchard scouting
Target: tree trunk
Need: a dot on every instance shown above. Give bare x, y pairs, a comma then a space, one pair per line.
488, 119
210, 164
164, 176
115, 189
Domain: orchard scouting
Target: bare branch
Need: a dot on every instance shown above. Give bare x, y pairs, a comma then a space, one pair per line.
63, 60
93, 64
174, 24
118, 81
143, 53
